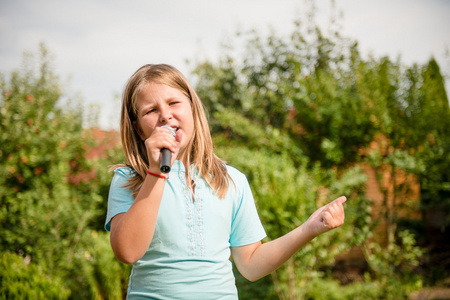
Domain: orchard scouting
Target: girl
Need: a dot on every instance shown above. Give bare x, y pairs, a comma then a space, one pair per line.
179, 229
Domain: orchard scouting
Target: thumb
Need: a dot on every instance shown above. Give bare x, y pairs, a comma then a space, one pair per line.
178, 136
340, 200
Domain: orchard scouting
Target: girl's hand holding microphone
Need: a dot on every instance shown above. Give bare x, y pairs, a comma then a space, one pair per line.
162, 138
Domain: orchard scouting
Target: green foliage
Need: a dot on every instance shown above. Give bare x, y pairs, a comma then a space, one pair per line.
397, 264
262, 289
22, 279
435, 125
95, 271
287, 191
50, 191
42, 145
297, 113
329, 289
301, 85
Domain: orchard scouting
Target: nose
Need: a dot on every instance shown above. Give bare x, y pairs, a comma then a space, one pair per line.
165, 115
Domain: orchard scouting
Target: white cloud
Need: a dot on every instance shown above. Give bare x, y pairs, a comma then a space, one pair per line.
415, 29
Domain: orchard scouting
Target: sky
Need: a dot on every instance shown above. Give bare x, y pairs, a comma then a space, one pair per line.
98, 44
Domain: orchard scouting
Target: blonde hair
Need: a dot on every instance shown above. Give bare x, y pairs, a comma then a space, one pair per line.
199, 151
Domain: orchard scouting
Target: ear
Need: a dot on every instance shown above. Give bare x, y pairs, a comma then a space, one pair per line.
138, 130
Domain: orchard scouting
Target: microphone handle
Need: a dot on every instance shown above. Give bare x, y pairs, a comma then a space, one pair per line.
166, 157
166, 154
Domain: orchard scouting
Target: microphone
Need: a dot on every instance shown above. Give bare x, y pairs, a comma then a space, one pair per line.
166, 154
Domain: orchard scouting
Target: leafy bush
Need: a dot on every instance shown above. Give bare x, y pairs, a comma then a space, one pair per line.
20, 278
299, 113
287, 190
51, 201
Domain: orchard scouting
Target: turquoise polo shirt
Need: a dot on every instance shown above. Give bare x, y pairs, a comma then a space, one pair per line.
189, 256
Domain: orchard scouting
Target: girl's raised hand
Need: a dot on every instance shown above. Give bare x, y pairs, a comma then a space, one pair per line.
159, 139
327, 217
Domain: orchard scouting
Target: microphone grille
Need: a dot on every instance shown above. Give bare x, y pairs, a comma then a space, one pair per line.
172, 131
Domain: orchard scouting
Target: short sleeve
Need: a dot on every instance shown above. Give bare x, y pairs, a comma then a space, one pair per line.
246, 227
120, 199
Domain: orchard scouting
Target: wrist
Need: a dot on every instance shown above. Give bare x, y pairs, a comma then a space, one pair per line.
158, 174
309, 232
154, 168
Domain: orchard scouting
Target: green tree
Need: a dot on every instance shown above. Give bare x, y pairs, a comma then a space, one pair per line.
433, 122
311, 102
286, 193
49, 190
259, 134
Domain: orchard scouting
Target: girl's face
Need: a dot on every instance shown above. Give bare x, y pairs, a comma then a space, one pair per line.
158, 105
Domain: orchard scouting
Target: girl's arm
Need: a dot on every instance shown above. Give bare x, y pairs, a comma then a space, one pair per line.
257, 260
132, 232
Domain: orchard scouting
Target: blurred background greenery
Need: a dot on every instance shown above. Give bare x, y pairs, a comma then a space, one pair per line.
306, 118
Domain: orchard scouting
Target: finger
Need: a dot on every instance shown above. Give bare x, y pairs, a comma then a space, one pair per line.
326, 218
333, 208
334, 216
331, 221
179, 136
340, 200
157, 142
336, 210
165, 139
